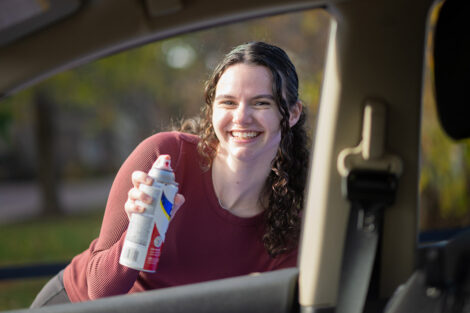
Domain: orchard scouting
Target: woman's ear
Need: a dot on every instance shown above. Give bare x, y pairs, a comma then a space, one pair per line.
295, 112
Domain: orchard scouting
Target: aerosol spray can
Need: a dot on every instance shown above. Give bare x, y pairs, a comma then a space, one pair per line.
146, 232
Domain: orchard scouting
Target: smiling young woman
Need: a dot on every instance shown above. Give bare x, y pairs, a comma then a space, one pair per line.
281, 196
241, 180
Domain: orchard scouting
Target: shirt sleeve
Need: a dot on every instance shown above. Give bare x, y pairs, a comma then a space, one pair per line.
105, 276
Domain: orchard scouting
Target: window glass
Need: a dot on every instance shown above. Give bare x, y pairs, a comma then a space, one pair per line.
445, 168
63, 140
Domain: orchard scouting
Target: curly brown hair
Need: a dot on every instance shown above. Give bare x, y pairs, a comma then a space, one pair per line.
283, 193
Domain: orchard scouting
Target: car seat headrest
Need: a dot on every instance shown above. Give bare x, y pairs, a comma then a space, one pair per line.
452, 68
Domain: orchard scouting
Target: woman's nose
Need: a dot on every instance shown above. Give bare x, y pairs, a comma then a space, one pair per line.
242, 114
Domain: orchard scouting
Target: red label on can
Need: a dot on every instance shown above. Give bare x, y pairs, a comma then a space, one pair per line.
154, 251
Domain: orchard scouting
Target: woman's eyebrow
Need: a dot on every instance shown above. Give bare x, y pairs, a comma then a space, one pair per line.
224, 97
262, 96
268, 96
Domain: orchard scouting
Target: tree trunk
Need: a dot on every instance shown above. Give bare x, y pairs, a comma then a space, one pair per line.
48, 171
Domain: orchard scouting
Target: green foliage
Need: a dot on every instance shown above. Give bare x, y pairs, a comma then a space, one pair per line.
445, 170
54, 239
6, 119
44, 240
19, 294
14, 112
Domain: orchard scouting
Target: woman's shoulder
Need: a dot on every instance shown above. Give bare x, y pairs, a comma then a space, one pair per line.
182, 148
176, 144
172, 138
167, 142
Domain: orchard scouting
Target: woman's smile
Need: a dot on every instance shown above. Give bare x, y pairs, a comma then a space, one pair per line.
244, 135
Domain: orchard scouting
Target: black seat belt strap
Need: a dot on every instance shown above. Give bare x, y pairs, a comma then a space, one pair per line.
369, 192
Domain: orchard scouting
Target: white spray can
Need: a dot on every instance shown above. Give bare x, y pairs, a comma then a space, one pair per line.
146, 232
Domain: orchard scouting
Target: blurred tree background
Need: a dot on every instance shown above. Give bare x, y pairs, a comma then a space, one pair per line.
84, 122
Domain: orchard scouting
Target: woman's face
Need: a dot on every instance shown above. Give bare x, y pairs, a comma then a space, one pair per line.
245, 116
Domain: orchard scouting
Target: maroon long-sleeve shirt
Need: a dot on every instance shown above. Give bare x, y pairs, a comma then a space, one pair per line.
203, 242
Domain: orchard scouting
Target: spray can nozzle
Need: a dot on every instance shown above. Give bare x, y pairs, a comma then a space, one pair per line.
163, 162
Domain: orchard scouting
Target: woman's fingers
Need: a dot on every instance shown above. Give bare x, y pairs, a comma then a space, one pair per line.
137, 194
134, 194
179, 200
136, 202
137, 199
139, 177
130, 207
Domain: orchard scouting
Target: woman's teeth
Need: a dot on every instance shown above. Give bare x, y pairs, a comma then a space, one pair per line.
244, 135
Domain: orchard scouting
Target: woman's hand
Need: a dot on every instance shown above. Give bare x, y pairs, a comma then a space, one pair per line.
139, 177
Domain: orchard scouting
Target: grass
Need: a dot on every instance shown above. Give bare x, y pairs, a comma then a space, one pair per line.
16, 294
44, 240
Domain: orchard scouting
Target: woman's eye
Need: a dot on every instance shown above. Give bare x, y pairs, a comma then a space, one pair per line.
224, 102
262, 103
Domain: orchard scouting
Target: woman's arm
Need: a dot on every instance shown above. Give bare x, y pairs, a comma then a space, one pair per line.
105, 276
